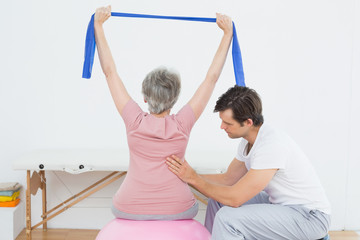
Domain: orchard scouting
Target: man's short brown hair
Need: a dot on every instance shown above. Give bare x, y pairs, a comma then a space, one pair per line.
244, 102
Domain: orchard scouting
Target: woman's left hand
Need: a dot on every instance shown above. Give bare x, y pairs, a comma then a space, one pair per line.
102, 14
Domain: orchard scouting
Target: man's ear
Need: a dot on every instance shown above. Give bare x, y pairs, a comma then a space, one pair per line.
249, 122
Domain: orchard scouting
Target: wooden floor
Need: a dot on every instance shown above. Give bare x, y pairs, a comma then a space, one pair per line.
85, 234
60, 234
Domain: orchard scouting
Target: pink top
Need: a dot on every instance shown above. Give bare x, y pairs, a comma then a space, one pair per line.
149, 187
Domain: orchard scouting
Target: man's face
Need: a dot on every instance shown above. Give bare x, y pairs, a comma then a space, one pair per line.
231, 126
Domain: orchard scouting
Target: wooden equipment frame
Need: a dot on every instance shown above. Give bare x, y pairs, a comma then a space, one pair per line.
38, 181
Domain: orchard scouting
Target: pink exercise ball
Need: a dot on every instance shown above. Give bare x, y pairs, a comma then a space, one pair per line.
153, 230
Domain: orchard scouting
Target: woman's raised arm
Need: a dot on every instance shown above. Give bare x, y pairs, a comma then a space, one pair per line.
116, 86
202, 95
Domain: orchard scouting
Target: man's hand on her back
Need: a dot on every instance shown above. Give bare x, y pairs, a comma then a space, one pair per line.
181, 169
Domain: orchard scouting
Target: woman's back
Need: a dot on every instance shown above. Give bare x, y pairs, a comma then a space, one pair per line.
149, 187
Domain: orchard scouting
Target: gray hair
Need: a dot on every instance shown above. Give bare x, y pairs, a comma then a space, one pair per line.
161, 88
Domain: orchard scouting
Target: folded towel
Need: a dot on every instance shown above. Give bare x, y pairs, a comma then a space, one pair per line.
9, 199
9, 186
10, 204
8, 193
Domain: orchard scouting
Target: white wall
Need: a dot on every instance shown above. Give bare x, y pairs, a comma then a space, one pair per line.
352, 217
302, 57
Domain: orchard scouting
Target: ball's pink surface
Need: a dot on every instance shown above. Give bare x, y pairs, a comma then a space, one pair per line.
153, 230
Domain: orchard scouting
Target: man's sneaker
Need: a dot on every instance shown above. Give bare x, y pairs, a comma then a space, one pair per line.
327, 237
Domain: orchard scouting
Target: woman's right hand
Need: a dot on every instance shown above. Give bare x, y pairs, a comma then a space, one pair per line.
102, 14
225, 23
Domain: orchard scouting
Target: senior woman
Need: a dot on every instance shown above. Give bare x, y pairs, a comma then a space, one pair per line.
150, 191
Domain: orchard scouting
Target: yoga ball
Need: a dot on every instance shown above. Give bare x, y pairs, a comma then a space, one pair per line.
122, 229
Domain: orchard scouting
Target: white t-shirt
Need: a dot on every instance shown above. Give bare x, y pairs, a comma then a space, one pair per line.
295, 183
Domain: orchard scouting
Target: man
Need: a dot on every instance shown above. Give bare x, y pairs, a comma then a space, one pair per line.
270, 189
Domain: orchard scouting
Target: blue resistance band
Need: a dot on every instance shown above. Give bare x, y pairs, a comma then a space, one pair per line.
90, 43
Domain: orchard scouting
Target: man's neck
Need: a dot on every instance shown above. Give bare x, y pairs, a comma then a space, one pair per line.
252, 135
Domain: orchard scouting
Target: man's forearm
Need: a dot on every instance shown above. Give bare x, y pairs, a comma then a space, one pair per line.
221, 193
219, 178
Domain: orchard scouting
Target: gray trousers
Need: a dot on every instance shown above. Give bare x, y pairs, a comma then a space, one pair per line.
188, 214
258, 219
